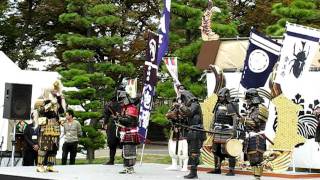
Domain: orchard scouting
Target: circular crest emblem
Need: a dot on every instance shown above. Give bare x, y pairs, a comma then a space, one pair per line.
258, 61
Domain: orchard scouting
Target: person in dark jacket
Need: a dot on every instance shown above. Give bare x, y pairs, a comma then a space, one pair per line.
111, 109
30, 153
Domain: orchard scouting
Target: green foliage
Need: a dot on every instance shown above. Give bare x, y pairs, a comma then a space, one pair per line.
85, 50
223, 23
304, 12
189, 53
188, 76
92, 138
158, 115
165, 89
88, 115
78, 55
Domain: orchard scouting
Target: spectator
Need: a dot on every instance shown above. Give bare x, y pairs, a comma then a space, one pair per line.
31, 146
72, 131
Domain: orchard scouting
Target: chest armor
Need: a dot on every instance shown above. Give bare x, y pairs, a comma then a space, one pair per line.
224, 115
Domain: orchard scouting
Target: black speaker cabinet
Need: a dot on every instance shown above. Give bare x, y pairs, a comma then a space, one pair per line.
17, 101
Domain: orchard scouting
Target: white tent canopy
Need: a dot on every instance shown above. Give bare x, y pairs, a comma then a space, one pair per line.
11, 73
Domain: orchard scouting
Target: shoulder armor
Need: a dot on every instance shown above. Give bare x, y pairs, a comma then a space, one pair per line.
263, 112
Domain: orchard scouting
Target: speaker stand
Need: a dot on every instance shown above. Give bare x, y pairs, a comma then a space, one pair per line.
13, 143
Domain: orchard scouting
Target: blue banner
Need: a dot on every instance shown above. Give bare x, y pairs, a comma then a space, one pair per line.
150, 81
164, 31
262, 54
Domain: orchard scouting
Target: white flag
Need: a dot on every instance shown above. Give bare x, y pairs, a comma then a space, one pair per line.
299, 47
211, 83
131, 87
172, 66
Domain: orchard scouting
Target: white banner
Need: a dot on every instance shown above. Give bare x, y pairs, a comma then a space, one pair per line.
300, 45
172, 66
211, 83
131, 87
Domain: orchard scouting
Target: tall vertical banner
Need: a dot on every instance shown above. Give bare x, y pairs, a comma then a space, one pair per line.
300, 45
164, 31
262, 54
150, 80
172, 66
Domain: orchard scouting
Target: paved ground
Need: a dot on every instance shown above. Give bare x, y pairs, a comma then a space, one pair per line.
149, 149
97, 172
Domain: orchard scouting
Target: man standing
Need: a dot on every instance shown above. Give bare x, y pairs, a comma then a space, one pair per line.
255, 123
111, 109
195, 137
72, 132
224, 125
31, 148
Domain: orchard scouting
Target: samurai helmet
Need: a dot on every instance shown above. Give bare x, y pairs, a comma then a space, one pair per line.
224, 95
187, 97
252, 97
124, 97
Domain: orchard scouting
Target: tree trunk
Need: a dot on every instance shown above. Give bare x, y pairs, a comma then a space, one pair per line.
90, 155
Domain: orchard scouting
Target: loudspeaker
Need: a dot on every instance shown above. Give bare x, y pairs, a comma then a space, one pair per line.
17, 101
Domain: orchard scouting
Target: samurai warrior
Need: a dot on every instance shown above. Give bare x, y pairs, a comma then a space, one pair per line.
224, 125
255, 123
178, 145
195, 134
49, 108
128, 128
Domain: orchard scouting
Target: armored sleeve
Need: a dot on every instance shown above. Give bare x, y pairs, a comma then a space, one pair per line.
258, 117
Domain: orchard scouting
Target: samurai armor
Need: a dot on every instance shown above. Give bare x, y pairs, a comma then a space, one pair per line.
129, 135
221, 135
49, 135
129, 151
255, 144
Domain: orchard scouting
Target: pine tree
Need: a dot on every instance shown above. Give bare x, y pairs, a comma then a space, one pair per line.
87, 51
304, 12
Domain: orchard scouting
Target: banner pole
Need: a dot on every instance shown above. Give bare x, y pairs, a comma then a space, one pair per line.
143, 146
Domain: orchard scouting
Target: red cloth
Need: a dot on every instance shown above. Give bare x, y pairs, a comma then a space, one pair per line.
131, 135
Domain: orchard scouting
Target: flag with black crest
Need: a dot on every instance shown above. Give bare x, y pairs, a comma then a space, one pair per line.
262, 54
300, 45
